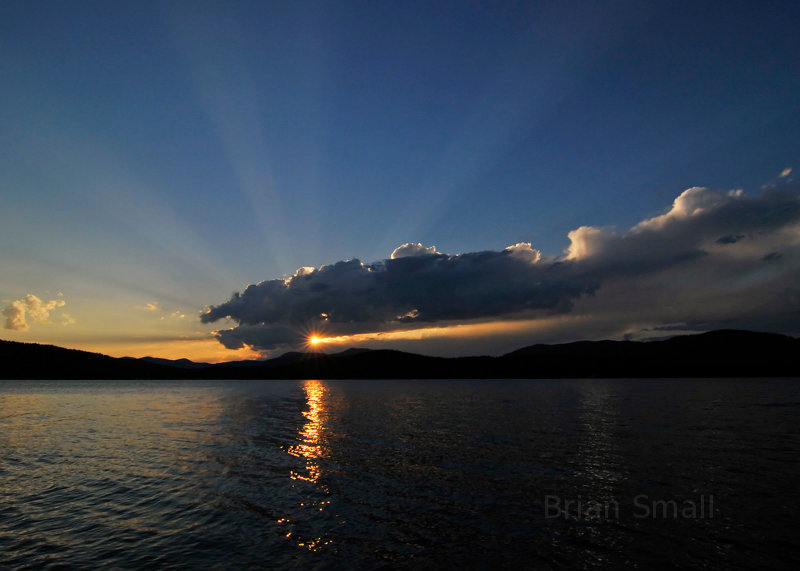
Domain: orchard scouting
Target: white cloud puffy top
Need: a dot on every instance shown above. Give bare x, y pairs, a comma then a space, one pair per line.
410, 249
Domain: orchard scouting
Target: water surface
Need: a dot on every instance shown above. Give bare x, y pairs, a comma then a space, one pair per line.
546, 474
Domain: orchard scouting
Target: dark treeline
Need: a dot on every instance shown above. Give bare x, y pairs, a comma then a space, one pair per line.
716, 354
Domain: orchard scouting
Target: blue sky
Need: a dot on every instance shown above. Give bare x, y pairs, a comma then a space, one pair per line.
162, 155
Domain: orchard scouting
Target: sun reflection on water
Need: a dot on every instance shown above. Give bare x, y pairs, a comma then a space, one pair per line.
309, 446
310, 449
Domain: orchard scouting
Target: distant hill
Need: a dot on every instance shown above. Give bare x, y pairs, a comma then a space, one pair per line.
180, 363
34, 361
726, 353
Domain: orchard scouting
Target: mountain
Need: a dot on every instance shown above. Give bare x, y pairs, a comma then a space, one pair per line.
180, 363
35, 361
726, 353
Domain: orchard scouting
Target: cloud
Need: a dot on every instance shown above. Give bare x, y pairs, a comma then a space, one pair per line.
177, 314
351, 297
17, 312
410, 249
713, 257
699, 223
786, 172
162, 313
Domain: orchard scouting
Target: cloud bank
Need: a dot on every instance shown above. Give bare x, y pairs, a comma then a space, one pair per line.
17, 312
713, 259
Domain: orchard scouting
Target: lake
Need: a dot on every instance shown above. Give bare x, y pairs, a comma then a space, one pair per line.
697, 473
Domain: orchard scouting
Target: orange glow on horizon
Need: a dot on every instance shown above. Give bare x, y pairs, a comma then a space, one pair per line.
459, 330
199, 350
316, 340
209, 350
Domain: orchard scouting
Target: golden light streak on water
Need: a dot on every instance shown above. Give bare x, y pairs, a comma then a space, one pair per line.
310, 448
309, 436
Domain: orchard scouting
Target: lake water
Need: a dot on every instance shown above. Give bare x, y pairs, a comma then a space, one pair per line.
423, 474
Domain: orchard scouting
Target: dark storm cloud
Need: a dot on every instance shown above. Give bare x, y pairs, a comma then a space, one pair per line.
352, 297
730, 239
713, 256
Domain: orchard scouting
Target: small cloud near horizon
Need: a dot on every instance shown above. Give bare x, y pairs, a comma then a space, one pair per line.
718, 257
163, 313
17, 312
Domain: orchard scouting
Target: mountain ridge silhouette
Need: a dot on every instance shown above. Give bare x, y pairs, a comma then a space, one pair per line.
722, 353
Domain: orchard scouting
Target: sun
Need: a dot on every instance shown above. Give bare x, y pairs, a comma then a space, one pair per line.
315, 341
311, 336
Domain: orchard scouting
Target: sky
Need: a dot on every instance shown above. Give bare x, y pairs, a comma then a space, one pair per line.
224, 181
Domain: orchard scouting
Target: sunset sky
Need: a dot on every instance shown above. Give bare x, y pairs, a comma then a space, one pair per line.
223, 180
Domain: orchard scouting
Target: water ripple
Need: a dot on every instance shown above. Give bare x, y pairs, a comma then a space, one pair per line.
396, 473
